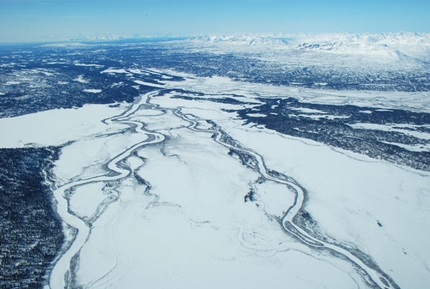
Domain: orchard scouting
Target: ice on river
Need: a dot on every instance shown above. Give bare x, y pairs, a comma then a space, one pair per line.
179, 217
192, 229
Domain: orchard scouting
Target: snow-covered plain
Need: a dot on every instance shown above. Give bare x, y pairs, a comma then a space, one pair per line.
159, 200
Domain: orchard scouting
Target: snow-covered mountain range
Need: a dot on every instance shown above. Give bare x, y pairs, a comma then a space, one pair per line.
414, 43
394, 62
395, 48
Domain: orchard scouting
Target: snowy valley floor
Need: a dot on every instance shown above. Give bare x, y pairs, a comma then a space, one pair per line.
180, 193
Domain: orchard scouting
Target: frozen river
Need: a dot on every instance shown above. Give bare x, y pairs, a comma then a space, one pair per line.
124, 165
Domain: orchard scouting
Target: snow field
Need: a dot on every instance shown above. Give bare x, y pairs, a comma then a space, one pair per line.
371, 205
348, 196
198, 232
58, 126
190, 227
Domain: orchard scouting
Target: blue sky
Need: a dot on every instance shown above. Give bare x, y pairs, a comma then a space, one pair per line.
38, 20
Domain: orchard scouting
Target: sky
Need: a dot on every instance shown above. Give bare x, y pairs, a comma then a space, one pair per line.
57, 20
